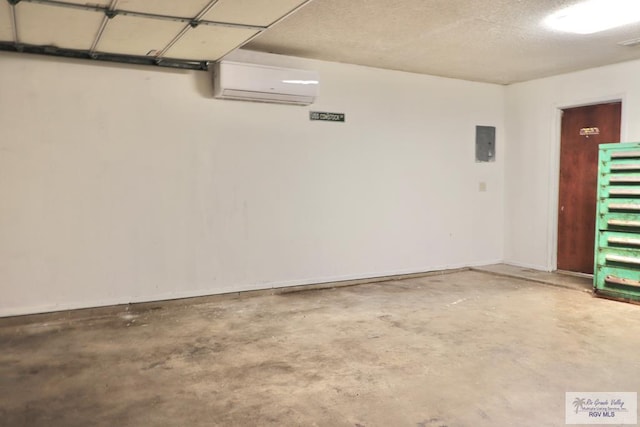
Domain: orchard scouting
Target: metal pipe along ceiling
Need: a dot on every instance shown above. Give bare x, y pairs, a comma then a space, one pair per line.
108, 57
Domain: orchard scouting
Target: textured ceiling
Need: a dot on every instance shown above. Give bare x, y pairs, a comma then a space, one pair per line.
498, 41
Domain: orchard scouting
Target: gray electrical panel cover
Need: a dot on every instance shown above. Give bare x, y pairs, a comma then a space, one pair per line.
485, 143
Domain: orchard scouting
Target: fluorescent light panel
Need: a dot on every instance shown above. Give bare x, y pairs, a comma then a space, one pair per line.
593, 16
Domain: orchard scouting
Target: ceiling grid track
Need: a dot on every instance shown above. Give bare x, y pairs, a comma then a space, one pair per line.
194, 23
113, 12
94, 8
14, 24
103, 25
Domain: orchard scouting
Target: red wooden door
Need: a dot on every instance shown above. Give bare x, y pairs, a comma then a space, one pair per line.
583, 129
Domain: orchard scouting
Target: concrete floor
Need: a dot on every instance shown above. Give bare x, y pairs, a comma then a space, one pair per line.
463, 349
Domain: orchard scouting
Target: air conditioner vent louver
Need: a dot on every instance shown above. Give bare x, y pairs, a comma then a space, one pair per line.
265, 97
630, 42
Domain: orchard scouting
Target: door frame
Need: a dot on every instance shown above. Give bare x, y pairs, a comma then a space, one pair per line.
554, 176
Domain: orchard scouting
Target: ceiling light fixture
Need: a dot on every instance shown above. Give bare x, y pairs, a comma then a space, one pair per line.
593, 16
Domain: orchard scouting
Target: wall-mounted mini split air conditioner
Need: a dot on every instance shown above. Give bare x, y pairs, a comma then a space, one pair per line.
262, 83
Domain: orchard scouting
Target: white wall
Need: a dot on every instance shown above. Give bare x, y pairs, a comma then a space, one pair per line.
532, 164
122, 184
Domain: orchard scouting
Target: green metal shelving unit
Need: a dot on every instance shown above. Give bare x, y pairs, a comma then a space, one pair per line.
617, 252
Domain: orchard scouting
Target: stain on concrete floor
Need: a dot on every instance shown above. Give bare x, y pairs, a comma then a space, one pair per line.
465, 349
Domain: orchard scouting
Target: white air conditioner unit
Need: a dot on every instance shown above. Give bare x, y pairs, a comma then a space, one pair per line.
262, 83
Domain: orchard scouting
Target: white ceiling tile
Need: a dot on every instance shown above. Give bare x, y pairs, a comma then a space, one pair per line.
208, 43
62, 27
137, 36
6, 26
181, 8
251, 12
